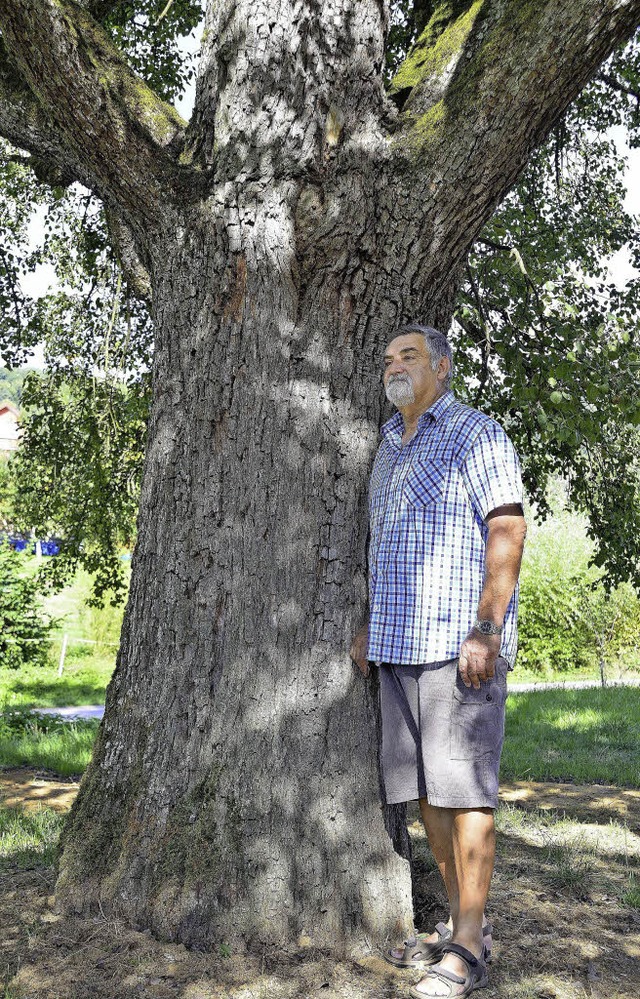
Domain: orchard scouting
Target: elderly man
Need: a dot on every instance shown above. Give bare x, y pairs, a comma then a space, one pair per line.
447, 533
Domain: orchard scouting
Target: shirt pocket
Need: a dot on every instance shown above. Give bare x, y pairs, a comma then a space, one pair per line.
425, 482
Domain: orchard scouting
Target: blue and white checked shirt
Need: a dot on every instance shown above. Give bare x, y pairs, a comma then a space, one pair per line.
428, 501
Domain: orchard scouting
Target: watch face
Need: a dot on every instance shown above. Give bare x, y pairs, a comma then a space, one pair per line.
487, 628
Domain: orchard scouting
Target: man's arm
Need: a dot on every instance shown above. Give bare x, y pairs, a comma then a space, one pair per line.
503, 555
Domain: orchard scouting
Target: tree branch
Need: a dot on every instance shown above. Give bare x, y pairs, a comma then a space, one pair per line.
24, 124
482, 88
611, 81
126, 139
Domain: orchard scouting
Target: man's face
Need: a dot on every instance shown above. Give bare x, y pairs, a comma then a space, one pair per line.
408, 375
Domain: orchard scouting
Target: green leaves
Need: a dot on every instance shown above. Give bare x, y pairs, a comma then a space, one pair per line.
151, 42
23, 629
78, 473
547, 341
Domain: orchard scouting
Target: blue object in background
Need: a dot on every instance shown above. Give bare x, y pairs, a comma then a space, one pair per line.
51, 547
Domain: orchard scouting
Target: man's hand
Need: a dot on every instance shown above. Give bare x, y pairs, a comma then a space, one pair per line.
358, 650
478, 656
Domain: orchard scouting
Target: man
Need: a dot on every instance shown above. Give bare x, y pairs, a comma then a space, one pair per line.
447, 534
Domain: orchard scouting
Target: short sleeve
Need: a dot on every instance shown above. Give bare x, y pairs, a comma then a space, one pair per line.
491, 471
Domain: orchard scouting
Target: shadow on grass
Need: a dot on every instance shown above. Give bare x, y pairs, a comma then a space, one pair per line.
590, 736
28, 839
67, 691
565, 910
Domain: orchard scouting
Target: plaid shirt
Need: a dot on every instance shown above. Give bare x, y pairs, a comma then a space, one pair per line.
428, 501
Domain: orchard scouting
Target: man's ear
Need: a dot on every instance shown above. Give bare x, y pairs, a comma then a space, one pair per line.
444, 366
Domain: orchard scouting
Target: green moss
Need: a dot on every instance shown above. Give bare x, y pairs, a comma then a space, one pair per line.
502, 40
441, 40
161, 119
198, 836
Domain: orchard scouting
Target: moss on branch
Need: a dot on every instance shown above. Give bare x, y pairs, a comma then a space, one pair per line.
126, 139
440, 44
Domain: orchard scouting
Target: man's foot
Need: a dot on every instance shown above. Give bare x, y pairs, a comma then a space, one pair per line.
420, 950
460, 971
425, 949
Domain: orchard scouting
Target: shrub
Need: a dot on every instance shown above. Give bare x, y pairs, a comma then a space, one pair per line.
567, 620
23, 628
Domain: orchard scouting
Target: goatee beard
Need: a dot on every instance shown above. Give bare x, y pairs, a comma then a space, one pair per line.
399, 390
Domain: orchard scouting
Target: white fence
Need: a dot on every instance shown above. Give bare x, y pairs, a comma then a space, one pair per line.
65, 641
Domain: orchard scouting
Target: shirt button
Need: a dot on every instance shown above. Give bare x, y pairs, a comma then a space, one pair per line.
489, 697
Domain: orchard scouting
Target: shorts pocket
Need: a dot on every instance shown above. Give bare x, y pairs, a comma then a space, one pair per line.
424, 484
477, 719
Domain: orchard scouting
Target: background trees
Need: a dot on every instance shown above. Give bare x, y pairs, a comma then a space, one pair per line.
555, 339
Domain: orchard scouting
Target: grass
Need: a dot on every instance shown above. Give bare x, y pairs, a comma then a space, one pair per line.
587, 736
46, 742
572, 858
631, 896
84, 681
28, 839
87, 667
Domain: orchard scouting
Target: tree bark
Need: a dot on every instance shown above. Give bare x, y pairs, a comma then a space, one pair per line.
233, 793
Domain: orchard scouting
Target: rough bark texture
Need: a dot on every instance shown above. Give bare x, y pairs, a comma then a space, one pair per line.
233, 793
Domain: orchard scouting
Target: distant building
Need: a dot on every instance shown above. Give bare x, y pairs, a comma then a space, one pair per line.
9, 430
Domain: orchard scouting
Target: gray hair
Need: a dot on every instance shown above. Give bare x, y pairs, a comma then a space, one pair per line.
437, 345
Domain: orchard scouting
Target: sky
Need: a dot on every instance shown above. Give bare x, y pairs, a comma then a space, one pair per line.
620, 269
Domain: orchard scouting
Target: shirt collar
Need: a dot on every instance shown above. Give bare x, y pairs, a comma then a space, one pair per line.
395, 426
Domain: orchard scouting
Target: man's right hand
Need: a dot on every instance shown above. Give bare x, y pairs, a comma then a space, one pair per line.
358, 650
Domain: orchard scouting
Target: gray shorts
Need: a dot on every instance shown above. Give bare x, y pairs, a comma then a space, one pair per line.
441, 740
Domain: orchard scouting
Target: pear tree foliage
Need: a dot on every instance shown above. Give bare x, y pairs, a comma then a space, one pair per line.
545, 340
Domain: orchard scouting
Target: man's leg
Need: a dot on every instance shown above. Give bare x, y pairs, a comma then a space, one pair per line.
463, 844
438, 824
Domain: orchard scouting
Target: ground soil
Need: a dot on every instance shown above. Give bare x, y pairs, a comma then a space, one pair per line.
551, 940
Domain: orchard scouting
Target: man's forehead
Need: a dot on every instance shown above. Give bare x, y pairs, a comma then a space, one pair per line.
406, 340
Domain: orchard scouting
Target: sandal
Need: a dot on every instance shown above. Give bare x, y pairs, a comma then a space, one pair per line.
420, 953
476, 977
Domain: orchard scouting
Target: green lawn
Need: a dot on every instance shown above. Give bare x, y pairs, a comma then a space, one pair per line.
93, 635
28, 839
84, 681
586, 736
46, 742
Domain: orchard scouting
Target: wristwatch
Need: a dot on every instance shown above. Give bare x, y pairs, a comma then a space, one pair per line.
488, 628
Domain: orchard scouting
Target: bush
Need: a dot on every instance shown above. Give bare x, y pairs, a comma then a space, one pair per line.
23, 629
567, 619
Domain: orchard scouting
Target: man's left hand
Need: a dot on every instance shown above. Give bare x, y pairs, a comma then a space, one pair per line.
478, 656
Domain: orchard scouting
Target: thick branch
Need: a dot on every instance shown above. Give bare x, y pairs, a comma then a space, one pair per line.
483, 88
24, 123
124, 244
126, 138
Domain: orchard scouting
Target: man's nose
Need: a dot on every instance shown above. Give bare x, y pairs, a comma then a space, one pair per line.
396, 368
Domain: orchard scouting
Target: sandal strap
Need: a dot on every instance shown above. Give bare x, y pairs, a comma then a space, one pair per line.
460, 951
443, 931
446, 976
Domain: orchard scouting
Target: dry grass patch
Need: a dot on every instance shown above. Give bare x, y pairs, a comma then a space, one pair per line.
554, 939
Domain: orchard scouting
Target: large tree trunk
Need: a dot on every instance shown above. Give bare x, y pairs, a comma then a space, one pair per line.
233, 794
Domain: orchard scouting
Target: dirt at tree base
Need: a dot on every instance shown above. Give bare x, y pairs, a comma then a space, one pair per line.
550, 942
